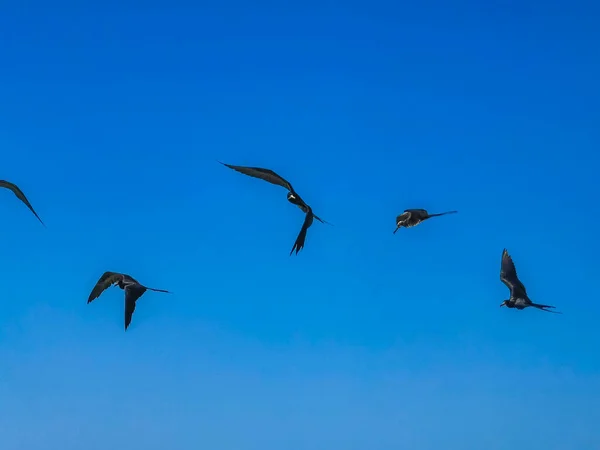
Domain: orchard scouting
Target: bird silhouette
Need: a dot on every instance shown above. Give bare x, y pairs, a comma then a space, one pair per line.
292, 196
518, 294
411, 217
19, 193
133, 290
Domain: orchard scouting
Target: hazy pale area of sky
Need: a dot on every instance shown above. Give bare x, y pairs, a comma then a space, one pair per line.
112, 117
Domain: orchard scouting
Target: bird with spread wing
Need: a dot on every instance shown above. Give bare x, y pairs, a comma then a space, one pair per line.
412, 217
292, 196
19, 194
518, 294
133, 290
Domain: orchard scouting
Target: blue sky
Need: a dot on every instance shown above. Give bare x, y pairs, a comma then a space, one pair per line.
112, 117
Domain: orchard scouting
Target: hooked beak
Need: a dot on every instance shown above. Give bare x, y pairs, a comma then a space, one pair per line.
503, 303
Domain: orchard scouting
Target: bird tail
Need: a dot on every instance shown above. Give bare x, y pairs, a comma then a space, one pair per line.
299, 244
442, 214
545, 308
322, 221
157, 290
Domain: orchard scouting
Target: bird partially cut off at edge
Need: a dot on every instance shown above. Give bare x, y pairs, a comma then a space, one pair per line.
518, 294
133, 290
19, 193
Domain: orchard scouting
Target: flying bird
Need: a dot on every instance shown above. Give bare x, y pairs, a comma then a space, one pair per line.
518, 294
292, 196
411, 217
133, 290
19, 193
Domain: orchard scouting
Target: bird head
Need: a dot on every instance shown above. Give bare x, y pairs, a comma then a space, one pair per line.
295, 200
504, 303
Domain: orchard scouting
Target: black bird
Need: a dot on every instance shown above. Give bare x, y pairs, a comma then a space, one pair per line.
518, 294
292, 196
411, 217
19, 193
133, 290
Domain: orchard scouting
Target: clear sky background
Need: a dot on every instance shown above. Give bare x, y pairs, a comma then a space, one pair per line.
112, 117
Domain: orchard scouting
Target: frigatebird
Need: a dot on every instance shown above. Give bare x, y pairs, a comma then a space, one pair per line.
518, 294
19, 193
292, 196
133, 290
411, 217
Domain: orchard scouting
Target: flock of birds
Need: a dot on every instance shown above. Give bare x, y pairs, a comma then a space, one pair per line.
409, 218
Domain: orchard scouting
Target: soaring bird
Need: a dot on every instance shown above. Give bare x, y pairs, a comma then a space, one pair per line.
133, 290
518, 294
411, 217
292, 196
19, 193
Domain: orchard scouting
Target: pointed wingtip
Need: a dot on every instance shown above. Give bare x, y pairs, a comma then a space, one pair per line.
36, 215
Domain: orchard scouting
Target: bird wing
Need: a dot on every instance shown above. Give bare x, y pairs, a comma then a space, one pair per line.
508, 275
418, 213
132, 293
106, 280
263, 174
403, 217
19, 193
128, 279
299, 244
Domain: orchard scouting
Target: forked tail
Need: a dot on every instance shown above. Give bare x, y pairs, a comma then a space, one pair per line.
157, 290
299, 244
442, 214
321, 220
545, 308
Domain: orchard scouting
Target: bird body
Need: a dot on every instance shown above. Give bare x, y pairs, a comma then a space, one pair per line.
412, 217
518, 293
19, 194
133, 290
292, 197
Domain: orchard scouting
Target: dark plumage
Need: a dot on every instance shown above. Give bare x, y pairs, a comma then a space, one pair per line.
133, 290
19, 193
292, 196
518, 294
411, 217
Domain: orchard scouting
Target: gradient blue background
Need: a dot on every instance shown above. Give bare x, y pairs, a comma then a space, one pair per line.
112, 118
